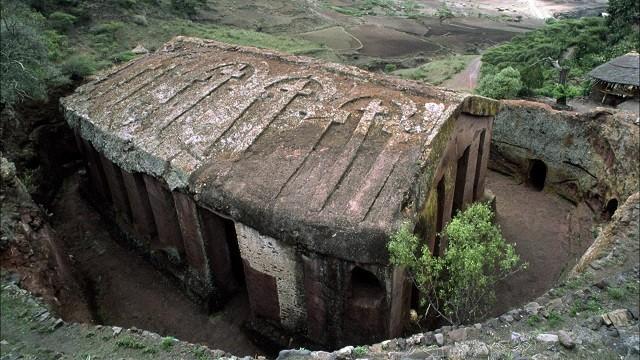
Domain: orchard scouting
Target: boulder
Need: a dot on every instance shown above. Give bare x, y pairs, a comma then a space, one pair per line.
547, 338
617, 318
566, 340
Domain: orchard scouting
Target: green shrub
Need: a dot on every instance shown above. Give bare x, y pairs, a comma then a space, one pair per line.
79, 66
554, 319
61, 21
127, 4
109, 28
360, 351
623, 13
533, 320
616, 293
390, 68
57, 45
590, 305
123, 56
140, 20
459, 285
187, 7
504, 85
167, 342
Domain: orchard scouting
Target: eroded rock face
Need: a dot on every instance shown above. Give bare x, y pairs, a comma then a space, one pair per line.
30, 250
591, 156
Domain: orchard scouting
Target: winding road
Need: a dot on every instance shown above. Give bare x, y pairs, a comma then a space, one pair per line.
536, 11
467, 79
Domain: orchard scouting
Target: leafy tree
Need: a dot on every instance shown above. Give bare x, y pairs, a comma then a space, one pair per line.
388, 68
61, 21
187, 7
459, 285
25, 68
590, 40
623, 14
505, 84
532, 77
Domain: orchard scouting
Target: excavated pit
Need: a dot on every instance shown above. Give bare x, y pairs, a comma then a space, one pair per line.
123, 288
537, 211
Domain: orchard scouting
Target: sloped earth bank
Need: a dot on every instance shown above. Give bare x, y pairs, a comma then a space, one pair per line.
125, 290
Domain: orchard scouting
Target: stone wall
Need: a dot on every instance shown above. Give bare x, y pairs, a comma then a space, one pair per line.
273, 261
179, 236
589, 156
462, 145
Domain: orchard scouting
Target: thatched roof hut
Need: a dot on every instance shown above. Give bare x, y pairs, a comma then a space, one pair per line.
619, 77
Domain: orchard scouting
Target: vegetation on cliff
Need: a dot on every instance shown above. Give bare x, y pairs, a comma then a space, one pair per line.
577, 44
49, 42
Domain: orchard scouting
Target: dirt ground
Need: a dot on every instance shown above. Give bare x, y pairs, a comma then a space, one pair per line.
549, 232
127, 291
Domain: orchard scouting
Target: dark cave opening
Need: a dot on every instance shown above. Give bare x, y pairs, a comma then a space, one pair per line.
537, 174
610, 209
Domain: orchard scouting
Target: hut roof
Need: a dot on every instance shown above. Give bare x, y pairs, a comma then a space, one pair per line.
621, 70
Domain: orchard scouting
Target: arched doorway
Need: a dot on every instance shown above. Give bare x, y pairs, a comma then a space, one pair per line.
537, 174
364, 318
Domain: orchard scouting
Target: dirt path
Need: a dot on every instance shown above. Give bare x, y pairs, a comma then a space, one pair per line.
549, 232
537, 11
129, 292
466, 80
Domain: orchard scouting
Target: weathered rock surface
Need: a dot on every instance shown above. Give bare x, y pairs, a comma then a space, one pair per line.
589, 156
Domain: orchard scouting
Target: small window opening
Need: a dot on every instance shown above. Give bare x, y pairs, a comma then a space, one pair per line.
476, 180
363, 278
440, 216
461, 180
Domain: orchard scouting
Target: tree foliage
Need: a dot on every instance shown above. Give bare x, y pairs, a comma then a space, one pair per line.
25, 68
61, 21
503, 85
592, 41
623, 14
459, 285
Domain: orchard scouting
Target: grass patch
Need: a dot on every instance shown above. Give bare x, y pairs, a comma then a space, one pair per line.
201, 353
616, 293
554, 319
167, 343
438, 71
360, 351
130, 343
591, 305
533, 320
